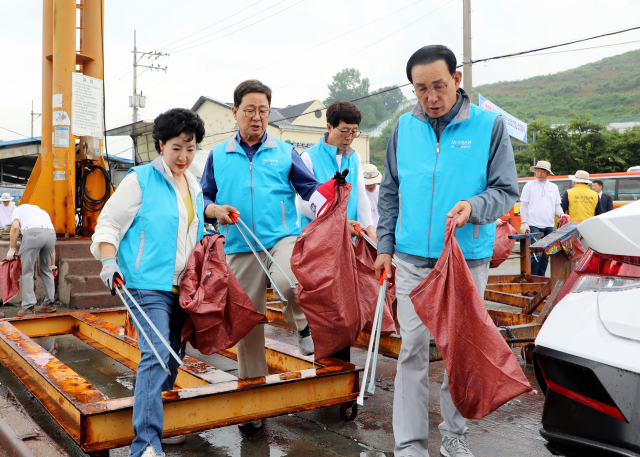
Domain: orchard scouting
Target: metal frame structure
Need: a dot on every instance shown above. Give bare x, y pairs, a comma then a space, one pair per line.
526, 291
204, 398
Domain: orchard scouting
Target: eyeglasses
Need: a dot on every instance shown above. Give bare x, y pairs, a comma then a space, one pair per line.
251, 113
346, 134
438, 89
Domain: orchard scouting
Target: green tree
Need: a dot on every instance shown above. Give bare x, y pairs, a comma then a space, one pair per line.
347, 84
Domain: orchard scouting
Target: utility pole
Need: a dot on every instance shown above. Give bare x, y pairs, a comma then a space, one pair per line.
33, 114
467, 83
137, 100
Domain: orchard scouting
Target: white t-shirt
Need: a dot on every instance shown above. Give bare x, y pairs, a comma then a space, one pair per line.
31, 216
6, 215
542, 199
373, 199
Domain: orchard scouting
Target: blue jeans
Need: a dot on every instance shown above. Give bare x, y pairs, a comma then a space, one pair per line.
168, 316
539, 265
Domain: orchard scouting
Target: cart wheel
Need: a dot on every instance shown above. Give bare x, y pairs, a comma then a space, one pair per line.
348, 411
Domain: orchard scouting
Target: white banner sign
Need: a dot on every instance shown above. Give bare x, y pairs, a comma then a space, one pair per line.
86, 106
515, 127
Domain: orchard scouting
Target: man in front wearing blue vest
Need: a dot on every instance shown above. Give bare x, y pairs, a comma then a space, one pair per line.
258, 176
447, 158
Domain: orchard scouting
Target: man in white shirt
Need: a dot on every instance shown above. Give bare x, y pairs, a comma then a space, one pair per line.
540, 202
372, 178
6, 210
38, 243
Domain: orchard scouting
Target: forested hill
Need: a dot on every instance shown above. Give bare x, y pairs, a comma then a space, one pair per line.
609, 90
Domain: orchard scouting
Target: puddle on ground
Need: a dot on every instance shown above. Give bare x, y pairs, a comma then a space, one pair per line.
110, 377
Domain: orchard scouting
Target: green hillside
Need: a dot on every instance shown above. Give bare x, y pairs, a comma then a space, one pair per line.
609, 90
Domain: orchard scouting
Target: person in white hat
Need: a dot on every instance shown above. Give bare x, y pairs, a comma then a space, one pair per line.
580, 202
6, 210
372, 178
539, 203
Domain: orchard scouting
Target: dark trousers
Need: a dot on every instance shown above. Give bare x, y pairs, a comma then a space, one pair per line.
540, 260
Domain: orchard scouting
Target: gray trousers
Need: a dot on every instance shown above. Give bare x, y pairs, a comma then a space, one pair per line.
252, 361
37, 244
411, 395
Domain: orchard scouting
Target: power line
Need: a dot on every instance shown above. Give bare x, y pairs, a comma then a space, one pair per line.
215, 23
26, 136
558, 45
581, 49
242, 28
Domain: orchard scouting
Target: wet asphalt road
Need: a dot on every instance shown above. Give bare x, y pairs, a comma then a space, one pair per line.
512, 430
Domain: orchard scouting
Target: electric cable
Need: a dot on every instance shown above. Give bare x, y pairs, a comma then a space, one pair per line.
4, 128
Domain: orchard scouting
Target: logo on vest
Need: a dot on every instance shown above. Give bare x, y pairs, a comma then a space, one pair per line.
273, 162
461, 144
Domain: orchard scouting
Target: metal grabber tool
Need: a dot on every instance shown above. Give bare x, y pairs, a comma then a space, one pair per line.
363, 234
236, 218
120, 286
374, 340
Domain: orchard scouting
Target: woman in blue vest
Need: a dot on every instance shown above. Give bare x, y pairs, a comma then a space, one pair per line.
334, 153
153, 222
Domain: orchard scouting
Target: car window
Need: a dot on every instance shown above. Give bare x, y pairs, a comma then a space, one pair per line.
563, 185
609, 186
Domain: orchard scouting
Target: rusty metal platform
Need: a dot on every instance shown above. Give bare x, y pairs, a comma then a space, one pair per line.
204, 398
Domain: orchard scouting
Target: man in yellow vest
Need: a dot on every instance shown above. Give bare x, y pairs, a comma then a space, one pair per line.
580, 202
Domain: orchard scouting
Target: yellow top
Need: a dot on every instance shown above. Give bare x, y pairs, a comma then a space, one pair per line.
582, 203
190, 215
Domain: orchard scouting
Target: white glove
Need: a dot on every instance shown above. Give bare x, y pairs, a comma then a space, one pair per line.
524, 228
10, 253
499, 222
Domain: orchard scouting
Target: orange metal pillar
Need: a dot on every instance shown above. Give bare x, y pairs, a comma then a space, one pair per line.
92, 46
64, 154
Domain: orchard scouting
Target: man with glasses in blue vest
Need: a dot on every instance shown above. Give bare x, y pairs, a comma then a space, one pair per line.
447, 158
258, 176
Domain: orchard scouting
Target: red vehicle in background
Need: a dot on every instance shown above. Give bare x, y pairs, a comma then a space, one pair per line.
623, 187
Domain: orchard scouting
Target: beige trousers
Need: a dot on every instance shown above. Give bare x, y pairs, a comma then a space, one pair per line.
252, 362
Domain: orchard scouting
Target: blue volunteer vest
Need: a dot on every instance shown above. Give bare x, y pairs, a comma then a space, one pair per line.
260, 190
147, 253
325, 165
433, 178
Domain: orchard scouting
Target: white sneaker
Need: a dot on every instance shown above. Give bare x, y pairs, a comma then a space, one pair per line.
174, 439
305, 342
151, 452
455, 447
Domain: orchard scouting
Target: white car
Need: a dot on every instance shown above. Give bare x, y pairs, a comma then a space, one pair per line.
587, 355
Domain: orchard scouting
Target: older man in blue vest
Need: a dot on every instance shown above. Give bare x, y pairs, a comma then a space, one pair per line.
447, 158
258, 177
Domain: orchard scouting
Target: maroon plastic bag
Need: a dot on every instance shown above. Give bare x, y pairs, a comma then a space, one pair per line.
503, 246
369, 286
220, 313
483, 371
324, 263
10, 272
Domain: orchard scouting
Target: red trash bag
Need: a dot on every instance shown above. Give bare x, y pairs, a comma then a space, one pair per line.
577, 251
324, 264
483, 371
10, 272
220, 313
503, 245
369, 286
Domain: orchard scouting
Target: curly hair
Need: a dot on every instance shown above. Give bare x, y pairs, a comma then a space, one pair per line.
343, 111
175, 122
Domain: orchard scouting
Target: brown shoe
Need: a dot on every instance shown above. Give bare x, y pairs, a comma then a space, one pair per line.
47, 308
25, 312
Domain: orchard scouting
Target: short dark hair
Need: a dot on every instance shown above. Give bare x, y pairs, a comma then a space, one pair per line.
247, 87
343, 111
598, 182
174, 123
430, 54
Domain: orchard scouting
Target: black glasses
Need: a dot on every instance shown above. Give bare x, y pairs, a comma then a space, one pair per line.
251, 113
438, 89
346, 134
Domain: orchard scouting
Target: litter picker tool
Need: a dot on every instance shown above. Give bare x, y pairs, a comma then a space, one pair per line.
362, 233
374, 341
235, 218
120, 285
